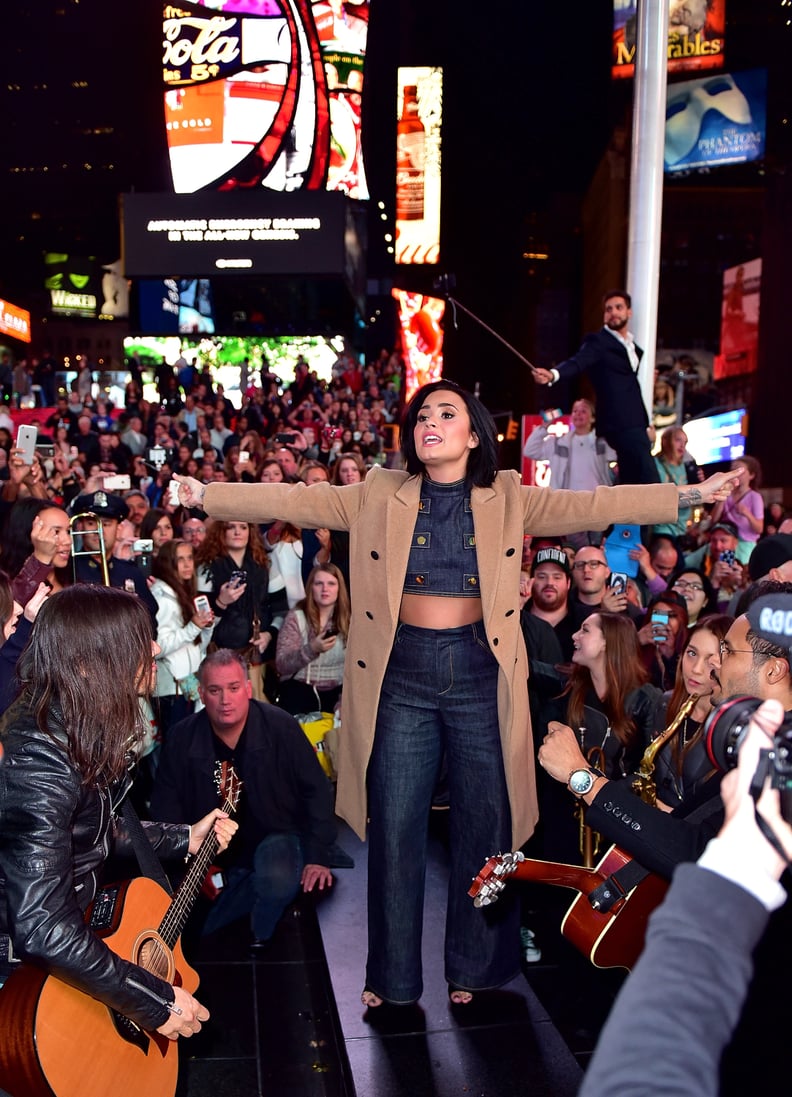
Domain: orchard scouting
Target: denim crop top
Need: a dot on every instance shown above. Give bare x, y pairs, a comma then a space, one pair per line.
443, 549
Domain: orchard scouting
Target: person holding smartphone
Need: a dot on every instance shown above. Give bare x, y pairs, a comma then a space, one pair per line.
578, 460
312, 645
184, 630
233, 553
662, 637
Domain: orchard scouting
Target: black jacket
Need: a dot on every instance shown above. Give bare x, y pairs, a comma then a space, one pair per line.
235, 623
620, 404
55, 835
285, 790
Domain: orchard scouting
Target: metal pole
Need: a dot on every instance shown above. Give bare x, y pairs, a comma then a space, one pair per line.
646, 182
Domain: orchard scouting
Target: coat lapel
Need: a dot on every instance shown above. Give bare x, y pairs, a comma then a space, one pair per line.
489, 509
400, 515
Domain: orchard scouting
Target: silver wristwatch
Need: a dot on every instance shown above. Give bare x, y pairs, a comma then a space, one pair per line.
581, 780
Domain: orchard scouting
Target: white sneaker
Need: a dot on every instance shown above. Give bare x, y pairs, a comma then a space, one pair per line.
532, 954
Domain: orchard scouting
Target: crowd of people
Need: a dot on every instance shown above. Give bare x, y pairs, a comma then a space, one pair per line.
437, 607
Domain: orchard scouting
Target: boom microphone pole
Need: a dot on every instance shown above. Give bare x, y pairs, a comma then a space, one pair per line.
445, 283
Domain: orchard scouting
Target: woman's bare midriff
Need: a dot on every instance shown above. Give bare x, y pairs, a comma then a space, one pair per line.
431, 611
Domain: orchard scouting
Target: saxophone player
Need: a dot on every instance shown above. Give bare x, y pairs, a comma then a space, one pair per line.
747, 663
681, 767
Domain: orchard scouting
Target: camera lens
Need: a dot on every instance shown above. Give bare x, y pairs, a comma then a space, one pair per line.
725, 729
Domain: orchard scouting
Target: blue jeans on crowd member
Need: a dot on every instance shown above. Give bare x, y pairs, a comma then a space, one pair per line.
439, 696
264, 891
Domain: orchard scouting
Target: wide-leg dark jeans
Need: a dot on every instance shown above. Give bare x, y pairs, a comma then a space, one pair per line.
439, 696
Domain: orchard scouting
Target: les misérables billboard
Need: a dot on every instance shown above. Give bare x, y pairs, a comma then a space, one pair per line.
265, 93
696, 34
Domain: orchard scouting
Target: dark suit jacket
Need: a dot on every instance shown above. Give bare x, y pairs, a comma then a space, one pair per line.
285, 790
620, 405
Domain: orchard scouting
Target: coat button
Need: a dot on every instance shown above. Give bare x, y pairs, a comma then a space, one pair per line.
509, 612
510, 552
374, 555
360, 663
370, 615
495, 641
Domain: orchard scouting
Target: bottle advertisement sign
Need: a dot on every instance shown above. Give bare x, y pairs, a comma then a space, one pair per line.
420, 322
418, 160
696, 35
265, 93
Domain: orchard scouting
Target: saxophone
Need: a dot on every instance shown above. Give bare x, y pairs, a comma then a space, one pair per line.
643, 782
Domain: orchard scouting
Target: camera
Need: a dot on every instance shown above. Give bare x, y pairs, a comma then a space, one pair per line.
724, 732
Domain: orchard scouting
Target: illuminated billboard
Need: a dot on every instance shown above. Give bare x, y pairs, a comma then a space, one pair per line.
420, 320
418, 161
696, 35
718, 120
82, 285
716, 438
171, 305
265, 93
191, 235
739, 321
14, 321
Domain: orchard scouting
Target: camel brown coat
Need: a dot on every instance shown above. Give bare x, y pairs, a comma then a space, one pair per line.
380, 515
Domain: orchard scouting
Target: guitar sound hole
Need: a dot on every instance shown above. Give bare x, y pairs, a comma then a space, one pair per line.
155, 956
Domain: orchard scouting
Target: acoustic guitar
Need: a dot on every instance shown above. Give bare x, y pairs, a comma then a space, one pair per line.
609, 938
58, 1040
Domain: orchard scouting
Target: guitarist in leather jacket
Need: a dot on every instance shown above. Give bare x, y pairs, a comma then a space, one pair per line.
67, 742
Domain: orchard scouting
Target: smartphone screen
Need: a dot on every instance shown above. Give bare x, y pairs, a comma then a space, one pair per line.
660, 619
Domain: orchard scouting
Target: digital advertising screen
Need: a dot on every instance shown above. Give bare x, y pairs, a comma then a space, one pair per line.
158, 305
276, 355
265, 93
420, 320
14, 321
74, 284
418, 163
739, 320
718, 120
696, 35
717, 438
208, 234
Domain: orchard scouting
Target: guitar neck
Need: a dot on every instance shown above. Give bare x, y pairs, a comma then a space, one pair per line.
552, 872
187, 892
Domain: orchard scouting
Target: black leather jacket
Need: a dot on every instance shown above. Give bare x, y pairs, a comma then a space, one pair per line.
55, 834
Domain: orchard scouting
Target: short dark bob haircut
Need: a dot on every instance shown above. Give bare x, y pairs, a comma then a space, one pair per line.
482, 465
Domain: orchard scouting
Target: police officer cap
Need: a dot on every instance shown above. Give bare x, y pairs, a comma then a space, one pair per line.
771, 618
104, 504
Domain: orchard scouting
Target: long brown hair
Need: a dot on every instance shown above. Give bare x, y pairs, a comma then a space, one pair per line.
214, 546
6, 601
341, 613
718, 624
166, 568
624, 672
86, 666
